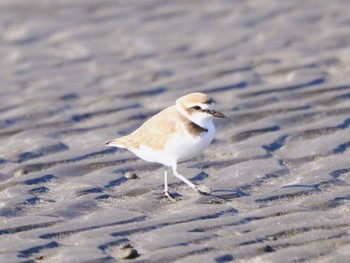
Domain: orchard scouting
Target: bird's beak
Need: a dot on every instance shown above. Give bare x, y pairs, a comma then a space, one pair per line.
216, 114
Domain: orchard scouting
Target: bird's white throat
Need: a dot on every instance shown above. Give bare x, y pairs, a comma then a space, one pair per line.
202, 119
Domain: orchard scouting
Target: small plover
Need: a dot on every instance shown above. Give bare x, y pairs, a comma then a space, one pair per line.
176, 134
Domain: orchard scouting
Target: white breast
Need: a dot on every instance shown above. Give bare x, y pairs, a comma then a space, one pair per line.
184, 146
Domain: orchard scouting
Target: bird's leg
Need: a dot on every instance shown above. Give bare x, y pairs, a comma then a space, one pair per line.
167, 194
186, 181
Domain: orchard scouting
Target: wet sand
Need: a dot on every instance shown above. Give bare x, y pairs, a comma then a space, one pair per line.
77, 74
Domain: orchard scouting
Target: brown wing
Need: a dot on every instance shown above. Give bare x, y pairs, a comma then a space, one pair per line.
156, 131
153, 133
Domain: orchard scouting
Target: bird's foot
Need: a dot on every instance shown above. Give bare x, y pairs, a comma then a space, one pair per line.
170, 197
203, 190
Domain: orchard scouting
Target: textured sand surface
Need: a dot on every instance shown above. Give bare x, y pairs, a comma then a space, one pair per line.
75, 74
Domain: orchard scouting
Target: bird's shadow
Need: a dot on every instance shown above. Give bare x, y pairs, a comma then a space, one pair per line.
225, 194
217, 196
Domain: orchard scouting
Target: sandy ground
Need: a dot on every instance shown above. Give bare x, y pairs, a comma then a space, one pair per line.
75, 74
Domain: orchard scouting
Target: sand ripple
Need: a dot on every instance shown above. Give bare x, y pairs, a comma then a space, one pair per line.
76, 74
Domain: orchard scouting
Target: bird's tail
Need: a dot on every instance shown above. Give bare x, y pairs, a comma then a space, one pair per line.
123, 142
115, 143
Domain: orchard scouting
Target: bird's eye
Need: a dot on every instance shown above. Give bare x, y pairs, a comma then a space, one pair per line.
196, 108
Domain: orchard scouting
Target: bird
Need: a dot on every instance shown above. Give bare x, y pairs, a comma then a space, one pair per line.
176, 134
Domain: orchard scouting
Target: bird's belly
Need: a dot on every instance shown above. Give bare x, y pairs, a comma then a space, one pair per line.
183, 148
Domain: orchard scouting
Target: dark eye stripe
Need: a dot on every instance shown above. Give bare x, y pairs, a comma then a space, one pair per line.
209, 101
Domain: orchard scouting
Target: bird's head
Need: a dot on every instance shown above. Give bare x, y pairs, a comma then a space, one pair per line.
198, 107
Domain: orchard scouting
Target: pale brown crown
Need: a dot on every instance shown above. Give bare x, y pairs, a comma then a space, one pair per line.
195, 98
